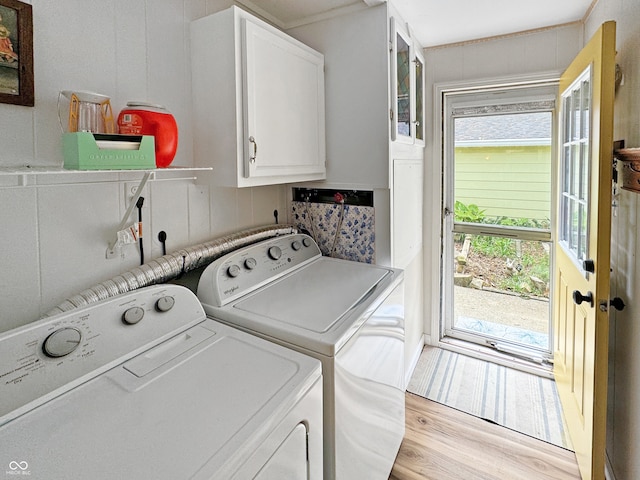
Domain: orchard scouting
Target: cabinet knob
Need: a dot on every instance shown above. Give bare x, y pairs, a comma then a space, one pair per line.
252, 158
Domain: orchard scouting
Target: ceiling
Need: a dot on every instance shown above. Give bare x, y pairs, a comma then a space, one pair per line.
440, 22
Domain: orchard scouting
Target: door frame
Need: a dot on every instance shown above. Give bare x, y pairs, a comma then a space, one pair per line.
437, 279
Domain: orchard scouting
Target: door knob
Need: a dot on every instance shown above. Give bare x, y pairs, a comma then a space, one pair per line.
589, 266
578, 297
617, 303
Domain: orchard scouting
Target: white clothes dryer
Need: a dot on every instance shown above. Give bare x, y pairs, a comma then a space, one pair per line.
349, 315
144, 386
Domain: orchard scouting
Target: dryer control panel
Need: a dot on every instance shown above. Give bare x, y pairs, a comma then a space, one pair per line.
43, 359
244, 270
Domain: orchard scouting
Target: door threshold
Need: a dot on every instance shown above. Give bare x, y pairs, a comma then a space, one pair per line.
494, 356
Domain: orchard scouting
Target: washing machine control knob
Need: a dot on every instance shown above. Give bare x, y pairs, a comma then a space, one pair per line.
166, 303
233, 271
306, 242
296, 245
250, 263
62, 342
132, 315
274, 252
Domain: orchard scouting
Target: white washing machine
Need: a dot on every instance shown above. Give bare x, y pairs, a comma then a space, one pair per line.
349, 315
144, 386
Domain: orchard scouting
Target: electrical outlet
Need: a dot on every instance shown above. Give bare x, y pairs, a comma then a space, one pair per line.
130, 189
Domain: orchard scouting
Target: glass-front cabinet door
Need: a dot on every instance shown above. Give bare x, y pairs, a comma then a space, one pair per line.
407, 85
403, 91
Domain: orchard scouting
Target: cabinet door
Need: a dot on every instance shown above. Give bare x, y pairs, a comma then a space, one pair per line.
283, 106
401, 84
407, 88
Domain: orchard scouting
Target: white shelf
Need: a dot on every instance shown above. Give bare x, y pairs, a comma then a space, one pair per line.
59, 170
47, 175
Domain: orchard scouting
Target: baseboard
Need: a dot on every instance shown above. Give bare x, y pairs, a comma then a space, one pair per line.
414, 360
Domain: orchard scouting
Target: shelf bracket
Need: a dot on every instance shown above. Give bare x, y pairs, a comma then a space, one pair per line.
113, 249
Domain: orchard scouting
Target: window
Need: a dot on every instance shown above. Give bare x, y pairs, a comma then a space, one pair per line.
574, 204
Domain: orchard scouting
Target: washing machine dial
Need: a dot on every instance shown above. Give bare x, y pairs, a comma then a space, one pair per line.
250, 263
62, 342
306, 242
166, 303
132, 315
296, 245
233, 271
274, 252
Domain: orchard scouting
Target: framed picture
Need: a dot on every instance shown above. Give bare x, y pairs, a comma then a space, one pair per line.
16, 53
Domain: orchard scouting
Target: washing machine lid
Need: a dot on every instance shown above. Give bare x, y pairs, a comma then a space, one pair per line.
209, 406
315, 297
318, 307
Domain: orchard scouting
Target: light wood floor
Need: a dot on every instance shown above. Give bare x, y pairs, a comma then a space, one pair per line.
442, 443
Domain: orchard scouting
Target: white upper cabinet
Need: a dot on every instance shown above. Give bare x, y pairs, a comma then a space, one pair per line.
258, 98
407, 87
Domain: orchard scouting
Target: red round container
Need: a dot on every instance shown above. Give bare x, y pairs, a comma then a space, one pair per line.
140, 118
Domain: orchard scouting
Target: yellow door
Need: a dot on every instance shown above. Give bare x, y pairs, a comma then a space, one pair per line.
581, 319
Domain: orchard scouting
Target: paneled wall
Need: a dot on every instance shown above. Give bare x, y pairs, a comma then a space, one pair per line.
55, 227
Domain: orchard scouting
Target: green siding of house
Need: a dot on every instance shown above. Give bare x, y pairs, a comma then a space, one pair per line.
513, 181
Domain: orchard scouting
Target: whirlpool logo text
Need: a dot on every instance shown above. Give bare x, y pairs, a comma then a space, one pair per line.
18, 468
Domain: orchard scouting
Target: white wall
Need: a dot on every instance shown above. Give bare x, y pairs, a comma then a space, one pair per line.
55, 227
549, 50
623, 427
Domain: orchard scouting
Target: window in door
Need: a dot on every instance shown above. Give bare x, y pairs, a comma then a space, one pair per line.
574, 201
